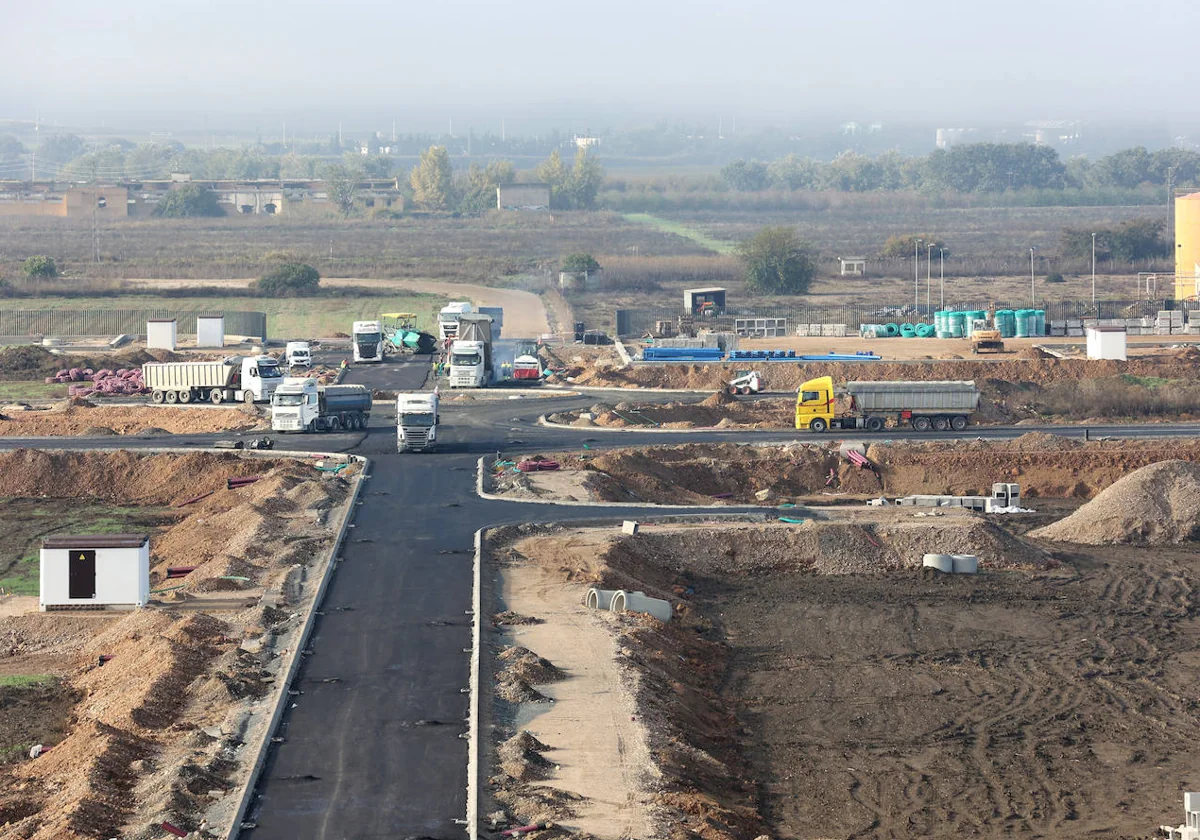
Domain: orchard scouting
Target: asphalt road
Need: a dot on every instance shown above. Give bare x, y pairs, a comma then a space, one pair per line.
372, 746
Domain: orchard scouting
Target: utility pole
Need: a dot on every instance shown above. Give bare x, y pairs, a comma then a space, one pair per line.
1032, 288
1093, 270
95, 227
916, 275
928, 272
942, 265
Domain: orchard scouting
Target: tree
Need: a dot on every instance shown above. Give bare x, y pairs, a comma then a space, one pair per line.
778, 262
552, 171
478, 189
188, 201
793, 173
432, 179
341, 185
580, 263
903, 247
289, 280
40, 267
583, 185
745, 176
61, 148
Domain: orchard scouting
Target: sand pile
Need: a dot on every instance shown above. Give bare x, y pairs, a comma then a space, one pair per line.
1157, 505
32, 363
125, 420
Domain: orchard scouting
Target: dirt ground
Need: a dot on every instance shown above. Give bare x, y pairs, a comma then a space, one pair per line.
720, 411
1046, 701
28, 362
1046, 466
152, 733
83, 417
900, 349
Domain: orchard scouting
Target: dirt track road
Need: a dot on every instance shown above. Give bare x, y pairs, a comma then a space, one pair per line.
524, 312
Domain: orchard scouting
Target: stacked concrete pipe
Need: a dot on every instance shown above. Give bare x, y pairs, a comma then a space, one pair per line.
619, 600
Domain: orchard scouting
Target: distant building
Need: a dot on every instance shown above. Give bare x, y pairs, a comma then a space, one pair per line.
587, 142
523, 197
853, 266
72, 202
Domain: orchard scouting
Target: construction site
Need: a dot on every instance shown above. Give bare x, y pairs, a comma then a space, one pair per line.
153, 717
808, 671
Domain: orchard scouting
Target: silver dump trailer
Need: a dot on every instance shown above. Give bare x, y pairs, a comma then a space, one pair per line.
926, 405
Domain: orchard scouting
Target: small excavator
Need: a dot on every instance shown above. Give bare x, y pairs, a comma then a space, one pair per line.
984, 340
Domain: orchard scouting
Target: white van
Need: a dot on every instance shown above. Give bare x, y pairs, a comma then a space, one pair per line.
298, 354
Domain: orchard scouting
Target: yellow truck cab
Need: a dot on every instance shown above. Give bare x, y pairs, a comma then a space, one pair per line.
926, 406
815, 404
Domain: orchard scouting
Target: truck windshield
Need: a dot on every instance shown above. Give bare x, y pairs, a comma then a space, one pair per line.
416, 419
287, 399
368, 338
268, 371
465, 359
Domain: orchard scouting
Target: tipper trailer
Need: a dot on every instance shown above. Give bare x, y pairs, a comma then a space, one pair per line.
247, 379
936, 406
300, 404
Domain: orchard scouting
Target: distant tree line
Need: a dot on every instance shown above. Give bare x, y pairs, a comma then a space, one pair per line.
975, 168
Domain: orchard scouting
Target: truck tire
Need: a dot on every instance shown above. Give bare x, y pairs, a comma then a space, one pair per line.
360, 423
940, 424
958, 422
157, 396
185, 397
172, 397
333, 423
818, 425
311, 427
216, 396
875, 424
921, 423
248, 398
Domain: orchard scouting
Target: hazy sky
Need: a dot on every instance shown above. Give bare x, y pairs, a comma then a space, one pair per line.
948, 61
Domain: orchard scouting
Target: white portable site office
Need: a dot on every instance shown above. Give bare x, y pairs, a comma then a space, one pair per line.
210, 330
161, 334
95, 571
1106, 343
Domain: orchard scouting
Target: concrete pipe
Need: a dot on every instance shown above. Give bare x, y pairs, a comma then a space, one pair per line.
639, 602
941, 562
965, 564
599, 599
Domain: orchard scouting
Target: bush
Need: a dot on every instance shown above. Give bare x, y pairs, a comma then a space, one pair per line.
289, 280
40, 266
187, 201
778, 262
578, 263
1055, 277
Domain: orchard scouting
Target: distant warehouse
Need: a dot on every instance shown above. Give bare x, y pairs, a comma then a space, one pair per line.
523, 197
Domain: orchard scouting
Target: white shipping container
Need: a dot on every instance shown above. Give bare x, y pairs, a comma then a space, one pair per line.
95, 570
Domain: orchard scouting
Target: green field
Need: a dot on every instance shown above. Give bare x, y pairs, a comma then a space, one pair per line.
286, 317
23, 680
23, 391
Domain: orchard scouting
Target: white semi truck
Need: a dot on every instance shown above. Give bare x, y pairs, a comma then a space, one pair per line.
416, 422
448, 319
367, 338
300, 404
471, 353
247, 379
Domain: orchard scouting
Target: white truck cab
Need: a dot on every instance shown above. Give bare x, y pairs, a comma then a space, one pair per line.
468, 364
298, 354
448, 319
416, 422
367, 338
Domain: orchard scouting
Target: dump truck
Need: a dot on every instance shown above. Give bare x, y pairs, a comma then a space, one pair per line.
416, 422
247, 379
471, 353
301, 404
448, 319
926, 406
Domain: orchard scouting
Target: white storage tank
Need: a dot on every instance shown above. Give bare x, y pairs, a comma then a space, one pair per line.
1106, 343
210, 330
96, 571
161, 334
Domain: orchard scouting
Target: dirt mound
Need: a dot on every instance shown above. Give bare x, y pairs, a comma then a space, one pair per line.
521, 758
513, 689
522, 663
29, 362
1156, 505
76, 419
718, 399
1034, 353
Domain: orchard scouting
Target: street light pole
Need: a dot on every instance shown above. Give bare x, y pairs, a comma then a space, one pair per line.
928, 272
1093, 270
942, 267
916, 275
1032, 287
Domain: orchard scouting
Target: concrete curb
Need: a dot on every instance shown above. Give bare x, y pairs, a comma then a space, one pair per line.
474, 762
262, 747
493, 497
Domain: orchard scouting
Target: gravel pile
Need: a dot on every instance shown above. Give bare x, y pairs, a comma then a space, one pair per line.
1155, 505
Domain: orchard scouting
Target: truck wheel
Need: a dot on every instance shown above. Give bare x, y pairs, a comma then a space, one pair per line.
216, 396
940, 424
333, 423
875, 424
818, 425
185, 396
311, 427
921, 424
248, 398
360, 423
157, 396
958, 423
172, 397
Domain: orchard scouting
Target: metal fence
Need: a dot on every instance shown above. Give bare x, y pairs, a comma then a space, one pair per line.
69, 322
638, 322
